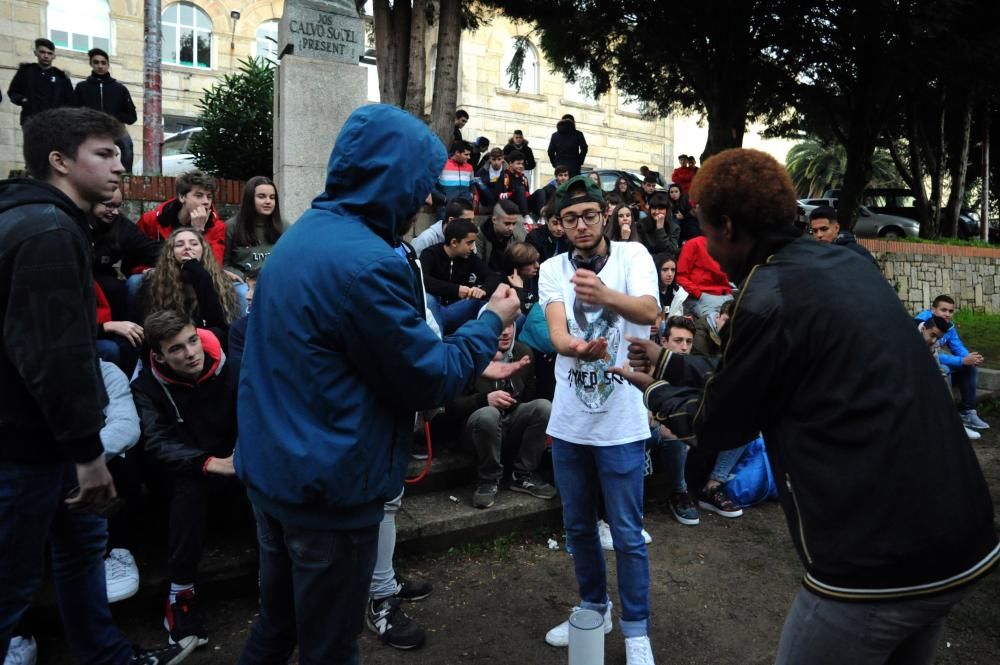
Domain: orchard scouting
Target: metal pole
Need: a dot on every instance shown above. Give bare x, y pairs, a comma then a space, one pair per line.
984, 215
152, 96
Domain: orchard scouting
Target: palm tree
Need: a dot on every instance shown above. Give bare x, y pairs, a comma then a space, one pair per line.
815, 167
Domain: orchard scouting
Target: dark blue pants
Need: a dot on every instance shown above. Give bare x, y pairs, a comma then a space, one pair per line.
313, 590
32, 513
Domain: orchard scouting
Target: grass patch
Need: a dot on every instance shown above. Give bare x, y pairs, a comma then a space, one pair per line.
949, 241
980, 332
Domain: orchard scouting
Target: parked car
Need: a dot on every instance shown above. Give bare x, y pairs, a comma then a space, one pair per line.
870, 224
610, 176
902, 203
176, 154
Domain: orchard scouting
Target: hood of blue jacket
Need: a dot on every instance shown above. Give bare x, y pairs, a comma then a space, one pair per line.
384, 164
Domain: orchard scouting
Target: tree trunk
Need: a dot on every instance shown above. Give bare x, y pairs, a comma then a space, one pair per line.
958, 167
152, 91
727, 122
392, 37
416, 87
446, 77
857, 174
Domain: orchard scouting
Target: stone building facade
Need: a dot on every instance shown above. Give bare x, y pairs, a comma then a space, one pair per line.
203, 41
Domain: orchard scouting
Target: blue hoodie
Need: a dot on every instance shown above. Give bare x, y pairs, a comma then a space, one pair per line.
338, 356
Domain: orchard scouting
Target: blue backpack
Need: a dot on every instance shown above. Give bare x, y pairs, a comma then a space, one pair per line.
752, 480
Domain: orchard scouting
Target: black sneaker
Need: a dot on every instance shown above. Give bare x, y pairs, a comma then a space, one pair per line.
529, 483
485, 494
410, 590
168, 655
386, 619
682, 508
418, 446
183, 622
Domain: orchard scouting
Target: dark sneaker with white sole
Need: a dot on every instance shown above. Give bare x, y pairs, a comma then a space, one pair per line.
716, 501
386, 619
529, 483
168, 655
485, 494
410, 590
183, 622
682, 507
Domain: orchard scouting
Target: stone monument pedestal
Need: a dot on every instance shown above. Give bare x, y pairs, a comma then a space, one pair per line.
317, 85
312, 100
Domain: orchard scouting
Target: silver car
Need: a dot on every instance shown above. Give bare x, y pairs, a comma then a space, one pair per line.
870, 224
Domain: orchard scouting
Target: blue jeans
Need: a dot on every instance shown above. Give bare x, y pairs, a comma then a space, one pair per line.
133, 287
617, 472
32, 513
965, 378
820, 631
313, 590
452, 316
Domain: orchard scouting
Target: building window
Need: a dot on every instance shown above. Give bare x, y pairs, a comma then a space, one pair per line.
187, 36
582, 90
80, 25
266, 45
629, 105
529, 67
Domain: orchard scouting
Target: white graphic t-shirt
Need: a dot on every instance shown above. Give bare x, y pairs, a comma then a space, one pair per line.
591, 406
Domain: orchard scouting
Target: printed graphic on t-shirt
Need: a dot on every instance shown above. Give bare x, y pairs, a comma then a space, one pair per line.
591, 382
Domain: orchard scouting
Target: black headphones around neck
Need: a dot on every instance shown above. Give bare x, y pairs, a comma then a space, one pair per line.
595, 263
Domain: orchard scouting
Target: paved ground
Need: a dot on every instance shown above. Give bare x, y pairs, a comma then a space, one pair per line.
719, 594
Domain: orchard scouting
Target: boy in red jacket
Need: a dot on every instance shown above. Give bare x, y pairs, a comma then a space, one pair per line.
701, 276
191, 207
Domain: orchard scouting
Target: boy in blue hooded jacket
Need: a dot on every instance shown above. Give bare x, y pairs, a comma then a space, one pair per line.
338, 358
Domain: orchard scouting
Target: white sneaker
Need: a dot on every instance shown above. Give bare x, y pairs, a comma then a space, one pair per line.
646, 537
972, 434
122, 575
559, 636
604, 531
22, 651
638, 651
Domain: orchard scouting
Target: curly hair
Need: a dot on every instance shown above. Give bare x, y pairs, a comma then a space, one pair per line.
167, 290
748, 186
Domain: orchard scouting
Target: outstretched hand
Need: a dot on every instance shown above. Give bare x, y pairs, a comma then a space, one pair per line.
590, 351
640, 380
499, 371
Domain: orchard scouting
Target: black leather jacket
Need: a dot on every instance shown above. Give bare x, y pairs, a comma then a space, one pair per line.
882, 491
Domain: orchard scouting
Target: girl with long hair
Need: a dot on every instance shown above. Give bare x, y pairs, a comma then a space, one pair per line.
624, 224
680, 209
188, 279
252, 233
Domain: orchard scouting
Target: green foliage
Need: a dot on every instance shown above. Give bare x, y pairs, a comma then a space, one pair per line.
236, 120
515, 70
816, 166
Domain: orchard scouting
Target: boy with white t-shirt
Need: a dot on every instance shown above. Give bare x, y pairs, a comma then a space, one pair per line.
594, 298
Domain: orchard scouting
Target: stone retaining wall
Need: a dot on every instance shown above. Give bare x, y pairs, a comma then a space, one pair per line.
971, 275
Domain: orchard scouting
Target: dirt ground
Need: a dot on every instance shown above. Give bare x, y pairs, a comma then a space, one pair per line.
719, 595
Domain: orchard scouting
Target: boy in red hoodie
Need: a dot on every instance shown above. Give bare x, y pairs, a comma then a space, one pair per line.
191, 207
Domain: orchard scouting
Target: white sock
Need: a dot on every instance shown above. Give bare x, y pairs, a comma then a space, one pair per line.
177, 588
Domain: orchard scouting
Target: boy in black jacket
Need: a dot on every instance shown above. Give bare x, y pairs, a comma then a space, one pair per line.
38, 86
186, 399
103, 93
456, 279
53, 477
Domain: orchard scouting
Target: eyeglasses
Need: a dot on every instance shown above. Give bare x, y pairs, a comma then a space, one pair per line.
572, 220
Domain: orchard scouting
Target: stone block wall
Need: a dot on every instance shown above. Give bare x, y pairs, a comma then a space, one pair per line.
971, 275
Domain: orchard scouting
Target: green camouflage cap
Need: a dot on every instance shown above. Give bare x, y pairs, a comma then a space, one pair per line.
591, 192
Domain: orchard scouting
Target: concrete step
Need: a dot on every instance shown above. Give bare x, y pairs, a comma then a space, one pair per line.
446, 518
449, 468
